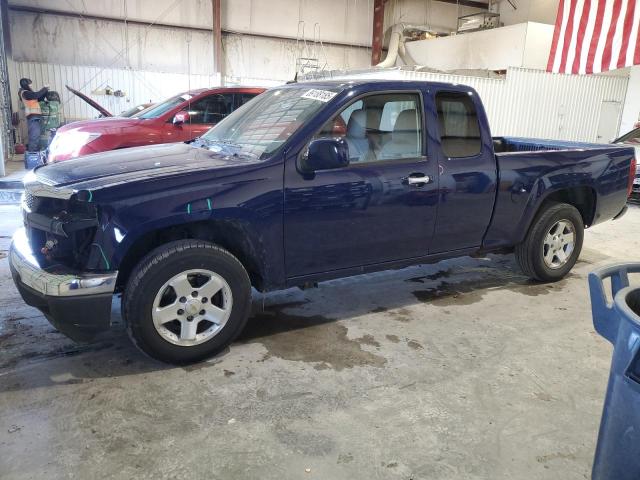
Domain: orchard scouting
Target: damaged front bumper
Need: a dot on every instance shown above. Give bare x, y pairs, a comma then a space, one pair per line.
76, 303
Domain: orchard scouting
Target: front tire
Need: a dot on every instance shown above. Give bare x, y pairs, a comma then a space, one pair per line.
186, 300
553, 244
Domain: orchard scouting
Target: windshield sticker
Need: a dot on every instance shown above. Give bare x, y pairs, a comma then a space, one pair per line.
321, 95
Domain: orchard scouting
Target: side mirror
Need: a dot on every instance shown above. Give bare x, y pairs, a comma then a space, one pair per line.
180, 118
326, 154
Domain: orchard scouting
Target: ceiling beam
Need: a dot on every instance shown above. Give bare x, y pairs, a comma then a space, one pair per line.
218, 63
467, 3
377, 32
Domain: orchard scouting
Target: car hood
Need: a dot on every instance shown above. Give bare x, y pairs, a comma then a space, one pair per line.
127, 165
90, 101
101, 125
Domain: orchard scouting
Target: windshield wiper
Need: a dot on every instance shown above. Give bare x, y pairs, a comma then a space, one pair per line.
226, 142
207, 143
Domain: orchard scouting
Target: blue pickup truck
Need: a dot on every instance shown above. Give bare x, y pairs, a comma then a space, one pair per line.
307, 182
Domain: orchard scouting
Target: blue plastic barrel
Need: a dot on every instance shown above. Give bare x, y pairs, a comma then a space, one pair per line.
618, 451
34, 159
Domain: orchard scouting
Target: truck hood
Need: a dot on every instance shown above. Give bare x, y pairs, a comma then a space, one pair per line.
127, 165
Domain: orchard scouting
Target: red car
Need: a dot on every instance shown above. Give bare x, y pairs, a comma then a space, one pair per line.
178, 119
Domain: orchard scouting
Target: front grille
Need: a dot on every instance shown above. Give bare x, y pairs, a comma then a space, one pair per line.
30, 201
61, 222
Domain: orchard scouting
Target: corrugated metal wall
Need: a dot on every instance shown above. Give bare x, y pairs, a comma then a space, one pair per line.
531, 103
139, 86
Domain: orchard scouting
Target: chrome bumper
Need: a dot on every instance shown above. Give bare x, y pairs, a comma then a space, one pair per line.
55, 281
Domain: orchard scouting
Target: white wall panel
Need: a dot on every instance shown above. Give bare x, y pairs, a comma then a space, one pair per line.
542, 11
75, 41
340, 21
186, 13
521, 45
62, 40
439, 16
530, 103
486, 49
631, 112
271, 59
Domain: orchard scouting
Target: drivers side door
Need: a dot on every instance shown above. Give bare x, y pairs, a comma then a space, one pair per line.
381, 207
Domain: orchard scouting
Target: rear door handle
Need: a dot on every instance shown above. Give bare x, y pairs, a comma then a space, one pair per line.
417, 179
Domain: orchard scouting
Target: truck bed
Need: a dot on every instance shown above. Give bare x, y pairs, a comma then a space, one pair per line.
519, 144
531, 170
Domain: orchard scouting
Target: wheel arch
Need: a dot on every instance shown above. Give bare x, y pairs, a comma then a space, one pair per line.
583, 198
230, 235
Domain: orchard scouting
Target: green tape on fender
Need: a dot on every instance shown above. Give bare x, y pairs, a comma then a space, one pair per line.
104, 257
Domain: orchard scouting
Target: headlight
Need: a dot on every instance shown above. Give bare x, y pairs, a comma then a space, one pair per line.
68, 144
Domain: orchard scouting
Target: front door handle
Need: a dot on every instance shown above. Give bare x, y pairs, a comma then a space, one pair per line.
417, 179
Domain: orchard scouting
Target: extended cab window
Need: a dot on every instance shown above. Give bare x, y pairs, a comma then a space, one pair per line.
379, 127
458, 125
211, 109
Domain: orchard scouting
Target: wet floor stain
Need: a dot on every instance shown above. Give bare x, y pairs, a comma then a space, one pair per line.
345, 458
70, 351
291, 304
468, 292
309, 443
412, 344
555, 456
368, 340
589, 256
310, 339
401, 315
545, 397
430, 278
379, 310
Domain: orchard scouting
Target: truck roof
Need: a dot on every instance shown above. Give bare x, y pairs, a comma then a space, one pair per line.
346, 83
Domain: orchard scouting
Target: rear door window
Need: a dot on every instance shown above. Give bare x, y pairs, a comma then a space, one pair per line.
458, 125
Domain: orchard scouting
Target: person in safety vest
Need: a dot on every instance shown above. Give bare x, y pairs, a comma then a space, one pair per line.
30, 100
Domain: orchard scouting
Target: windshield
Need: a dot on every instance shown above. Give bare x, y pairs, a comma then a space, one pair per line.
164, 107
262, 125
632, 137
133, 111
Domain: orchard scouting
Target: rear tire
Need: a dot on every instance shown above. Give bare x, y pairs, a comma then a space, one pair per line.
553, 244
186, 301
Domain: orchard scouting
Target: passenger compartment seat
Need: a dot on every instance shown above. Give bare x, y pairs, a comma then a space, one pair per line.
357, 139
405, 140
499, 145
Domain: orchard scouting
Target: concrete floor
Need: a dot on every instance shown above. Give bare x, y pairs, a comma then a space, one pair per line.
459, 370
14, 169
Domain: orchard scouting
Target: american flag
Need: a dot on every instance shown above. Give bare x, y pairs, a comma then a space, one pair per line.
594, 36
